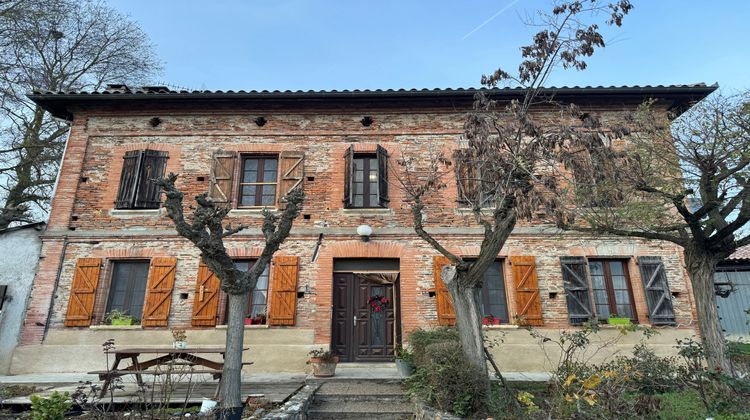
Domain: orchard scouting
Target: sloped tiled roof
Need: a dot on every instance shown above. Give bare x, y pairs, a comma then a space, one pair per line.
743, 253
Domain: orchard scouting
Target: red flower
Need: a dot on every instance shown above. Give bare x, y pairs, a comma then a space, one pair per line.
377, 309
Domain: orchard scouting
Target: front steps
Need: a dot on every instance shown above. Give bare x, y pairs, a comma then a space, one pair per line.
361, 399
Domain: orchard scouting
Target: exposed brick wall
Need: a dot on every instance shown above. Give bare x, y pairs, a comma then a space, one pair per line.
99, 140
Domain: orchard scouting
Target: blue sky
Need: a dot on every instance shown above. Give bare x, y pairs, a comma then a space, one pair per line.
298, 44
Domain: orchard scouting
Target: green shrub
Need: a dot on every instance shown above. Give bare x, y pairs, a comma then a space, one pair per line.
681, 405
419, 339
446, 380
53, 407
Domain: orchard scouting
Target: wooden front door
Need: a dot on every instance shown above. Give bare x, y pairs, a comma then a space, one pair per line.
361, 332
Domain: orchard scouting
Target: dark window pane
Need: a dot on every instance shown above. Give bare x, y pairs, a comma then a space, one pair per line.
618, 282
358, 201
493, 293
128, 287
616, 268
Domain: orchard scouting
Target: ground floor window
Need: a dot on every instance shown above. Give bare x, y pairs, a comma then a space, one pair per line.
610, 284
256, 312
128, 288
494, 302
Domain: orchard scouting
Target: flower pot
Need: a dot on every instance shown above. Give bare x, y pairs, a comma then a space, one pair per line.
404, 368
487, 321
618, 321
322, 369
248, 321
122, 321
180, 344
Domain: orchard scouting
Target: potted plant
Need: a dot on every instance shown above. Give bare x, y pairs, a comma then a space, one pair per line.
259, 319
180, 338
323, 363
248, 320
119, 318
404, 362
618, 320
490, 320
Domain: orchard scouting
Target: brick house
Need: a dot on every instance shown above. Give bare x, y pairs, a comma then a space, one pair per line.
109, 246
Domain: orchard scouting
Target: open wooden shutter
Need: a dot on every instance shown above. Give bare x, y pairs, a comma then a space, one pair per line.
576, 284
292, 165
221, 183
128, 180
658, 297
466, 177
348, 177
382, 156
159, 292
446, 314
82, 292
153, 164
528, 300
283, 304
206, 298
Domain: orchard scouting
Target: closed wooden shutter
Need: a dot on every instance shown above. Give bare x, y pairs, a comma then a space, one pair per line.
528, 300
221, 184
382, 157
466, 177
283, 304
348, 177
446, 314
128, 180
83, 292
205, 298
153, 164
658, 296
576, 284
292, 165
159, 292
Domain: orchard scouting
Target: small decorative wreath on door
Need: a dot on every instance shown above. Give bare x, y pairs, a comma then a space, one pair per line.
378, 303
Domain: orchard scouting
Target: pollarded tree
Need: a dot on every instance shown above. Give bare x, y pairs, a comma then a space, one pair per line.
507, 150
688, 184
55, 45
207, 232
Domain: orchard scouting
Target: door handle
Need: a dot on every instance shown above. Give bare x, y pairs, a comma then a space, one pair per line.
355, 320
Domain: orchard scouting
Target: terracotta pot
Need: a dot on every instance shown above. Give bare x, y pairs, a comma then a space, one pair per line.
323, 369
248, 321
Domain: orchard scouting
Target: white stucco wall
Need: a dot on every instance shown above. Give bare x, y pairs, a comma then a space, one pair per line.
19, 257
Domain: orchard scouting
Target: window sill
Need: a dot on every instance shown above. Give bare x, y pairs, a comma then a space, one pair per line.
127, 213
247, 327
465, 211
501, 327
255, 212
368, 211
115, 327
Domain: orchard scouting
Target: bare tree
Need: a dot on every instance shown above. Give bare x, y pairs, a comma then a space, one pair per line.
505, 156
55, 45
688, 184
207, 232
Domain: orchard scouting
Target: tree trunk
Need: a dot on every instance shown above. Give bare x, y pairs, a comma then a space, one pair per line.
466, 304
231, 377
701, 270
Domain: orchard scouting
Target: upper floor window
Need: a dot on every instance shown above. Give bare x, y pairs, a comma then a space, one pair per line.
475, 186
366, 179
258, 181
137, 187
127, 289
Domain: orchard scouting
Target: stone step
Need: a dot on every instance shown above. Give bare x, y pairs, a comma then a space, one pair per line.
360, 388
361, 410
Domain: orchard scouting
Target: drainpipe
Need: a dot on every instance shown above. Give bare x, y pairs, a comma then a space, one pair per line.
54, 290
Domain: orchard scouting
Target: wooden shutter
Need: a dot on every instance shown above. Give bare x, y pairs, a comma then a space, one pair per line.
82, 292
292, 165
528, 300
658, 297
159, 292
348, 177
382, 157
152, 166
221, 184
466, 178
205, 298
128, 180
576, 284
446, 314
283, 304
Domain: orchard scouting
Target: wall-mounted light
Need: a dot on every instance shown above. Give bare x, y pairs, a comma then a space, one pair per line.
364, 231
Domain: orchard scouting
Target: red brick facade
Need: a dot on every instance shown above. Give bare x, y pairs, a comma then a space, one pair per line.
84, 224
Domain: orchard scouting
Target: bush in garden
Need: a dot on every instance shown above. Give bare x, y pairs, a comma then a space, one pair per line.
446, 380
419, 339
53, 407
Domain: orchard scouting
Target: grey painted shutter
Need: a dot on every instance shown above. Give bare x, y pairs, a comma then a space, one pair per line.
221, 183
348, 177
575, 281
153, 164
128, 180
658, 297
382, 156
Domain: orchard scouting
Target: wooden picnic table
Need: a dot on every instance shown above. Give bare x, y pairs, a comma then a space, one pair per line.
165, 356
